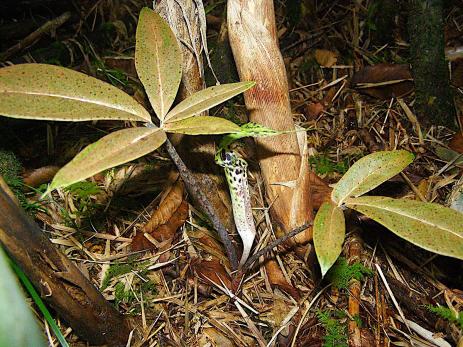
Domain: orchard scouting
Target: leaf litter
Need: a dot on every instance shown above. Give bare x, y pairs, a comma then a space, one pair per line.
184, 288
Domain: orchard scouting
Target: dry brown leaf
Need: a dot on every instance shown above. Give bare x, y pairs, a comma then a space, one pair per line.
165, 220
313, 110
34, 178
384, 81
213, 337
171, 200
320, 190
162, 232
423, 187
276, 278
213, 247
325, 57
457, 142
211, 271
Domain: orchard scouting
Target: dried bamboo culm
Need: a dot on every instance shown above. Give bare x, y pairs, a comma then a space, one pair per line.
254, 42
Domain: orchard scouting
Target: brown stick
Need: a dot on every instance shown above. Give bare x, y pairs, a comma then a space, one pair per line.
33, 37
58, 280
249, 263
253, 39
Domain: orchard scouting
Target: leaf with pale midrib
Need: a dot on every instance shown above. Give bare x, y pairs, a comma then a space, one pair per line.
205, 99
48, 92
369, 172
158, 61
430, 226
202, 125
114, 149
329, 231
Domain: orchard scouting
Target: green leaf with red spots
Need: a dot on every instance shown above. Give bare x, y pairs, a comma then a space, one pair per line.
329, 231
205, 99
114, 149
48, 92
369, 172
158, 61
430, 226
202, 125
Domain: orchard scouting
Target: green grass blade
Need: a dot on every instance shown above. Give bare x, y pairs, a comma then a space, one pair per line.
40, 304
18, 326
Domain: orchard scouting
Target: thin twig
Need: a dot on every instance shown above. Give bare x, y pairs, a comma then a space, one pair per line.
48, 27
192, 186
272, 245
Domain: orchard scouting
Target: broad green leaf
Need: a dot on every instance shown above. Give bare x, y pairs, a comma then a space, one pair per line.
430, 226
329, 231
248, 130
114, 149
158, 60
205, 99
48, 92
202, 125
369, 172
18, 326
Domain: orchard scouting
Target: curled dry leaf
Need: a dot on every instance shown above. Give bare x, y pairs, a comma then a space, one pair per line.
276, 278
384, 81
325, 57
163, 232
170, 202
313, 110
211, 271
165, 220
34, 178
206, 242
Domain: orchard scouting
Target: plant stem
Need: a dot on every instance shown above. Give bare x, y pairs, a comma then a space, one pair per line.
192, 186
271, 246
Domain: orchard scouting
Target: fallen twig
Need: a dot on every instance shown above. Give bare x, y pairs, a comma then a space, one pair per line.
33, 37
272, 245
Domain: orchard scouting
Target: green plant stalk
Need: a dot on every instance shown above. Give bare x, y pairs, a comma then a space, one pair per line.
40, 304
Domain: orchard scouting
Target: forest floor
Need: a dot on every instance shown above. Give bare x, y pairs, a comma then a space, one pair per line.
383, 290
